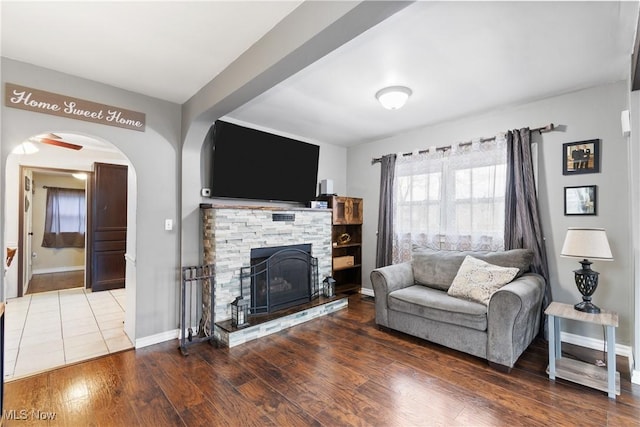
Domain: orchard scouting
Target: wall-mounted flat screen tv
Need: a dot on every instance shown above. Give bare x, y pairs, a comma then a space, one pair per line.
252, 164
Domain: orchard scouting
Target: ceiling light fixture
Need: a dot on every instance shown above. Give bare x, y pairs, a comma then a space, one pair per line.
26, 147
393, 97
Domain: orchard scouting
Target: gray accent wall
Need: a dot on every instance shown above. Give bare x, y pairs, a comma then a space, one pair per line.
633, 141
154, 155
582, 115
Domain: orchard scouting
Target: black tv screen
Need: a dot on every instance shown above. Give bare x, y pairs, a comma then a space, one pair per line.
252, 164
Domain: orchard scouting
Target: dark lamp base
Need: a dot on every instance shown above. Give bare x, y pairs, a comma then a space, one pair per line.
587, 282
587, 307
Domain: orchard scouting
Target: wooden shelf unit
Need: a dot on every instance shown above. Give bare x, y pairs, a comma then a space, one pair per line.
346, 221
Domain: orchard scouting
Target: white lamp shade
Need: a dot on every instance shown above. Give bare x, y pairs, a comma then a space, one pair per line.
590, 243
393, 97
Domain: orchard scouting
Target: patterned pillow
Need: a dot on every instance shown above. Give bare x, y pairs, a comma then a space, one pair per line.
477, 280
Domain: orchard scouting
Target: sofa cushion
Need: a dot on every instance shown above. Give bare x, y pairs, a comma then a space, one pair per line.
518, 258
477, 280
437, 269
437, 305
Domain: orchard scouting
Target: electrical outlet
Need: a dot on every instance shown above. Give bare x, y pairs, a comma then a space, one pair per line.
168, 224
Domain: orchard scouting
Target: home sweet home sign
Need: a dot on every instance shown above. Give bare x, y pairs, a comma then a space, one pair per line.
41, 101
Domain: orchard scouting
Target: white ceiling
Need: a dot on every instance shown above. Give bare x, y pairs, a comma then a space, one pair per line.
459, 58
164, 49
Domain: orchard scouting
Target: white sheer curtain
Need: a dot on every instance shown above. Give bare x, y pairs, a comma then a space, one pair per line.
450, 199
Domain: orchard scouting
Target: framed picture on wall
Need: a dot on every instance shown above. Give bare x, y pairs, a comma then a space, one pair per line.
581, 157
580, 200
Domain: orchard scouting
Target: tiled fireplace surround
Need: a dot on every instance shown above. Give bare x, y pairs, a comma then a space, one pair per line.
229, 234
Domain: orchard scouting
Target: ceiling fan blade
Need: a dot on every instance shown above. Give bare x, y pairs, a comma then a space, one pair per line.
59, 143
50, 135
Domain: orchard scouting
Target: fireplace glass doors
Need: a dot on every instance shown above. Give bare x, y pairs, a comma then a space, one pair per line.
280, 277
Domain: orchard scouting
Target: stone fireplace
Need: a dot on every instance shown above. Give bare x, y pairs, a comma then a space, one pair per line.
230, 233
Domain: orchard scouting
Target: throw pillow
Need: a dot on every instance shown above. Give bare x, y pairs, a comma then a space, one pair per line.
477, 280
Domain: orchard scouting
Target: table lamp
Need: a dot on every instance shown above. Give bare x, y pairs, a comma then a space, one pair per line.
586, 243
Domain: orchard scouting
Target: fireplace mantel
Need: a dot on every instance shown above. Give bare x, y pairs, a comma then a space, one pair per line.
204, 206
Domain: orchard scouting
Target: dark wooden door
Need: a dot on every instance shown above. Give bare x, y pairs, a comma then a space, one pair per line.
108, 227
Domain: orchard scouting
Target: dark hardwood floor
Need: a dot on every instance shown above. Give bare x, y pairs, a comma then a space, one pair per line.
339, 370
55, 281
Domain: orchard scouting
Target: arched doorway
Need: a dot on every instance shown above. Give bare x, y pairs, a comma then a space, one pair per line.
85, 324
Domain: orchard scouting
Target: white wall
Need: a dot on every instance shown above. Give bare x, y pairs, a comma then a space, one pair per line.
154, 156
587, 114
634, 179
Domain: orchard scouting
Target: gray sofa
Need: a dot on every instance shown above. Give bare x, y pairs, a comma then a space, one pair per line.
412, 298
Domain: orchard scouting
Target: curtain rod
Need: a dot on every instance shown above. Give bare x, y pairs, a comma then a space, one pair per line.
541, 129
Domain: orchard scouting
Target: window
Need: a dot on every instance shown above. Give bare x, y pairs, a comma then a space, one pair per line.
65, 215
479, 199
450, 199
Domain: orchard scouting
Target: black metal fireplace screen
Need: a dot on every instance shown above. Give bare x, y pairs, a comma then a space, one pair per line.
280, 277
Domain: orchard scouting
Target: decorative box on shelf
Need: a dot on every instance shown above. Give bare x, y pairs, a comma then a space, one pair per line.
318, 204
343, 261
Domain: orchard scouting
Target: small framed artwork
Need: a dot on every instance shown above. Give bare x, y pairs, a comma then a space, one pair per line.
580, 200
581, 157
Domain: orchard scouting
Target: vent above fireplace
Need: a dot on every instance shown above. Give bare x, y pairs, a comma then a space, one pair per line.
283, 217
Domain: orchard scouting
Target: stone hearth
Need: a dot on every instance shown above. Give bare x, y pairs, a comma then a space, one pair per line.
229, 234
261, 326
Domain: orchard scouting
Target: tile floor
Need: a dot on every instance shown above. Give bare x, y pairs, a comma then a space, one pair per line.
52, 329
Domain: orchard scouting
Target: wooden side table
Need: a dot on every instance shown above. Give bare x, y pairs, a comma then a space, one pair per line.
576, 371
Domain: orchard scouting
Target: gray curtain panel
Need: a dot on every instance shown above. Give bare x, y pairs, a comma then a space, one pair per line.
64, 224
384, 248
522, 218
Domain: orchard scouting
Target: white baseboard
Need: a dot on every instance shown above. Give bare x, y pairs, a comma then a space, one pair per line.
367, 291
157, 338
595, 344
58, 269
